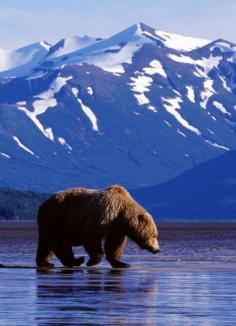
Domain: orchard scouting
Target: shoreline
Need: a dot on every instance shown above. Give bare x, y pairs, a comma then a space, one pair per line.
166, 229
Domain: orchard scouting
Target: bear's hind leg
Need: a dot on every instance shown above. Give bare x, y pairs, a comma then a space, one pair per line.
44, 254
114, 245
65, 254
94, 249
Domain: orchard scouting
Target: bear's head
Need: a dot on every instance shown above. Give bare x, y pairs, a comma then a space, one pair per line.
147, 239
142, 230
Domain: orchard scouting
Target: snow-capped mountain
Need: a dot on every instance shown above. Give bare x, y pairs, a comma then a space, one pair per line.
137, 108
22, 61
69, 45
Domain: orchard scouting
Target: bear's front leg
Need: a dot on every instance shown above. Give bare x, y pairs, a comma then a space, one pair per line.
114, 245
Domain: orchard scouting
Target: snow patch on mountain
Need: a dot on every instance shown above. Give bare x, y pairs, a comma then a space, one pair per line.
190, 94
220, 107
49, 133
217, 145
179, 42
224, 84
207, 92
213, 118
90, 90
152, 108
207, 64
139, 85
56, 86
199, 73
155, 67
75, 91
168, 124
45, 100
89, 113
181, 133
5, 155
141, 99
20, 144
42, 105
172, 105
63, 142
210, 131
182, 58
34, 118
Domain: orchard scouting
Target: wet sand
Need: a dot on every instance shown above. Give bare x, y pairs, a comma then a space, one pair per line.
166, 229
192, 281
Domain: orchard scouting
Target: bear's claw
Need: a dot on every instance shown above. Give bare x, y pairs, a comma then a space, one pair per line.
46, 265
119, 264
93, 261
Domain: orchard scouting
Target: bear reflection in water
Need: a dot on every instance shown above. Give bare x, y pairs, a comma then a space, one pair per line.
66, 282
84, 217
98, 296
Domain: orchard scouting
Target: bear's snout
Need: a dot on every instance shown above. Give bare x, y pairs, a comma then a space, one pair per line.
155, 251
152, 246
152, 250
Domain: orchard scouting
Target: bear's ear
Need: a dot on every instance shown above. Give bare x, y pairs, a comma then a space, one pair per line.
142, 220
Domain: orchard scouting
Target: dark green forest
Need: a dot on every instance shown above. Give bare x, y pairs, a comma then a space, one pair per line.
20, 205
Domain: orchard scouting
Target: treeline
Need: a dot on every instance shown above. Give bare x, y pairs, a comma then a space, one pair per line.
20, 205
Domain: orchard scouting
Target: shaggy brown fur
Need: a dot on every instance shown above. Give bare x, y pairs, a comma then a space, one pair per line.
84, 217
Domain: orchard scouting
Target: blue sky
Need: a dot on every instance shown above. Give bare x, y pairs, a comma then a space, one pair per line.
27, 21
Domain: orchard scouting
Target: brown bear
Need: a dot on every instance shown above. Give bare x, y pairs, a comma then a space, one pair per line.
84, 217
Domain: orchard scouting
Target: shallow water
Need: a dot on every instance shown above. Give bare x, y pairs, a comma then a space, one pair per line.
191, 282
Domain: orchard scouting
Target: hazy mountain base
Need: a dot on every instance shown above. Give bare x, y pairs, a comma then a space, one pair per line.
19, 205
207, 191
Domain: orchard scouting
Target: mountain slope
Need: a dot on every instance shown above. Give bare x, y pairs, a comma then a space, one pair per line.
207, 191
138, 109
